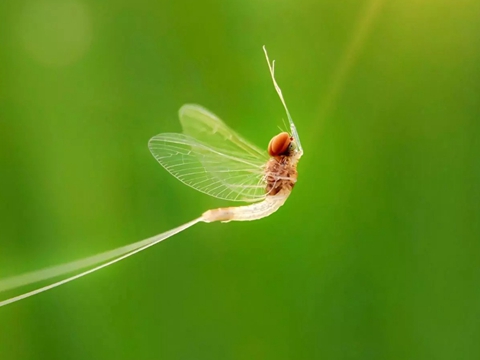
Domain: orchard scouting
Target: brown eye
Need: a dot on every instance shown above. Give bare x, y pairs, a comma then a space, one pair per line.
279, 144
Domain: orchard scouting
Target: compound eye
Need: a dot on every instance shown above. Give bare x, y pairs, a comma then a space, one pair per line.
279, 145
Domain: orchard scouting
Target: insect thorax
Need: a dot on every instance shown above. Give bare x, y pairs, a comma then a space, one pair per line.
281, 174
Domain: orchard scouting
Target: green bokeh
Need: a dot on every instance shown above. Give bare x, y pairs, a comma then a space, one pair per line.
374, 256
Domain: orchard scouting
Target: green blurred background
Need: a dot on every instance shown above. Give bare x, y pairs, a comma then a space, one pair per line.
374, 256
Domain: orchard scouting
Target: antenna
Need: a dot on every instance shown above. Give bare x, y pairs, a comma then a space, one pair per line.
293, 129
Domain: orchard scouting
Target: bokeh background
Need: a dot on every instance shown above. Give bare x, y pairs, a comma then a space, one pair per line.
374, 256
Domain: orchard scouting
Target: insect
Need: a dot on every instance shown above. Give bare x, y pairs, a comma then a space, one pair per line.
212, 158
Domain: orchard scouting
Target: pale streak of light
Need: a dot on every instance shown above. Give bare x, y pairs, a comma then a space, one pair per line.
352, 51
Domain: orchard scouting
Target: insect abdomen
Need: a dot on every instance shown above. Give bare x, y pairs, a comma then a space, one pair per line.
247, 213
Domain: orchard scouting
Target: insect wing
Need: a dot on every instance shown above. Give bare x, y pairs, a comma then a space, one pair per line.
205, 126
217, 161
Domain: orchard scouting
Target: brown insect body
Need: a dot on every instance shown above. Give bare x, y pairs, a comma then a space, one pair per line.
281, 168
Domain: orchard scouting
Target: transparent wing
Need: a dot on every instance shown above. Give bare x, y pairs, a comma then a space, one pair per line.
227, 167
206, 127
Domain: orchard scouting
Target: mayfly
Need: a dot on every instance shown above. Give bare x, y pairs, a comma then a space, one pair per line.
213, 159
